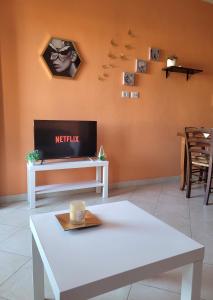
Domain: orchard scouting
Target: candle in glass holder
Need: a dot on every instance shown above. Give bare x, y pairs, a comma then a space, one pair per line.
77, 212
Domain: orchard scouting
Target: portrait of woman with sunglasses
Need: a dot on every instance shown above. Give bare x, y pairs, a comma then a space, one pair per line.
62, 58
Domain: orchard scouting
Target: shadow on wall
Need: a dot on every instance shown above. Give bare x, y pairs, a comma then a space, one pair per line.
2, 135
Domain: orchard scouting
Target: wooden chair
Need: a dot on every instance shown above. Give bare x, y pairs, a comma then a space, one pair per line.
199, 146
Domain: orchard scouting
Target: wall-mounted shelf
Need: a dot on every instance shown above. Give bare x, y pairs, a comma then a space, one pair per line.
187, 71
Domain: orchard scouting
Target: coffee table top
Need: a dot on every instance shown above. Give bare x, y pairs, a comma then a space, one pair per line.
129, 245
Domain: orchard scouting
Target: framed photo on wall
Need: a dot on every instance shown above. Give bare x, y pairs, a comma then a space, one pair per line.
154, 54
128, 78
140, 66
61, 57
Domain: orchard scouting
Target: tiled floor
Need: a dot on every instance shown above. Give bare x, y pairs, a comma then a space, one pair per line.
162, 200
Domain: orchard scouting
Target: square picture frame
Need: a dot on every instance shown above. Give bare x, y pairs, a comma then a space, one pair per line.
154, 54
129, 78
140, 66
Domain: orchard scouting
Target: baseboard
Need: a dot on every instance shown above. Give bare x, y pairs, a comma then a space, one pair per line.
142, 182
13, 198
122, 184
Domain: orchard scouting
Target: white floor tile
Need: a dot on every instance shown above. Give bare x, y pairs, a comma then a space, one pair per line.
146, 198
10, 263
6, 231
202, 226
172, 189
173, 205
201, 213
6, 208
120, 194
171, 281
148, 205
197, 192
208, 256
17, 217
203, 233
140, 292
20, 285
180, 223
47, 204
19, 243
119, 294
146, 192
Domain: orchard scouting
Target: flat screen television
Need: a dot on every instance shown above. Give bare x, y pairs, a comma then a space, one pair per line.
65, 139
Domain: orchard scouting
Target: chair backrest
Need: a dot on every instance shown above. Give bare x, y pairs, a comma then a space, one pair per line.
199, 142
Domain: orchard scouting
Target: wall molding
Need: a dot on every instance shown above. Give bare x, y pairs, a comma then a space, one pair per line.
122, 184
142, 182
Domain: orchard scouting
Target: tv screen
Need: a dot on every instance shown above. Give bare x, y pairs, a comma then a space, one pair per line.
60, 139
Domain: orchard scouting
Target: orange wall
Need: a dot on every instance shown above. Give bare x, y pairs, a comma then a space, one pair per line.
138, 136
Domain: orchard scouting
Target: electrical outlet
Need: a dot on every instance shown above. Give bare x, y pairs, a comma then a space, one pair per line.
135, 95
125, 94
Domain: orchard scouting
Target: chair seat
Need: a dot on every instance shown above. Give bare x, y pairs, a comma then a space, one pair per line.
200, 161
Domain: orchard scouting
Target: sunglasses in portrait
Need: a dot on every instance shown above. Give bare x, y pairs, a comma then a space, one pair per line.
62, 55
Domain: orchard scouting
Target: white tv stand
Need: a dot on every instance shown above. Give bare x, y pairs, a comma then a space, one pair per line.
100, 182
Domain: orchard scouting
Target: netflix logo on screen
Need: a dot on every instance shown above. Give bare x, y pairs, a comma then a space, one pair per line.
67, 139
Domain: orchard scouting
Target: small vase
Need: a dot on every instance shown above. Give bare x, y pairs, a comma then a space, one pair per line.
101, 154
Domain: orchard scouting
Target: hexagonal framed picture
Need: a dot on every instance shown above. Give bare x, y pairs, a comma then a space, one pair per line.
61, 58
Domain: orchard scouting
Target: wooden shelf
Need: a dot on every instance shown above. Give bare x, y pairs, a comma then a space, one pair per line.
187, 71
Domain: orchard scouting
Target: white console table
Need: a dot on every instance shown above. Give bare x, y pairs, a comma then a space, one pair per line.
101, 180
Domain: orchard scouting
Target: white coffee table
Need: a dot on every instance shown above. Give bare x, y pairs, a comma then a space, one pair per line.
131, 245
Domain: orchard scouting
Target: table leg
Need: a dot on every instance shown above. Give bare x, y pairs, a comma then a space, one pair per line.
28, 185
31, 188
98, 178
38, 273
105, 182
183, 163
191, 281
